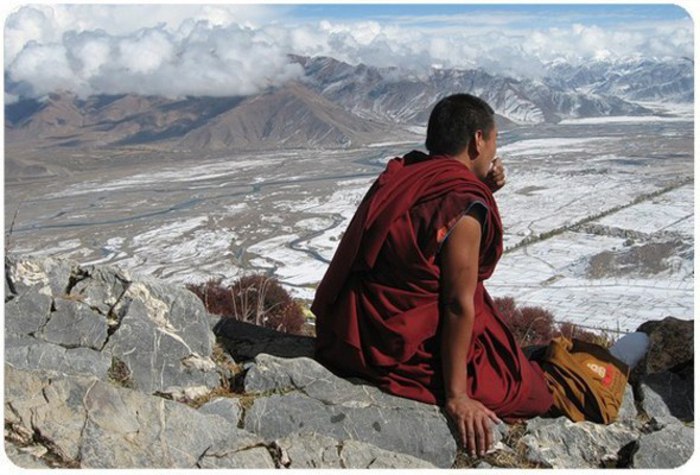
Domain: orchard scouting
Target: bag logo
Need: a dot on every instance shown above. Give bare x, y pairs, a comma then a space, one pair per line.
604, 372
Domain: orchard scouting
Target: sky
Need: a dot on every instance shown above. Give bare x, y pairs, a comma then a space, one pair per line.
221, 50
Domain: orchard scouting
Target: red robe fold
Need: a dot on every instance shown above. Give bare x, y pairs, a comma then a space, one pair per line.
377, 308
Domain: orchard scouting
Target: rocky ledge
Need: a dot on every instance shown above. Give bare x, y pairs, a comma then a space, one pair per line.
104, 370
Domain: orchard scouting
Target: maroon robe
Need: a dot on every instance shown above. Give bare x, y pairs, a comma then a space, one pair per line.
378, 308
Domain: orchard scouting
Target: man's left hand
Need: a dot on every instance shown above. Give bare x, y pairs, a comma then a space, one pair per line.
496, 178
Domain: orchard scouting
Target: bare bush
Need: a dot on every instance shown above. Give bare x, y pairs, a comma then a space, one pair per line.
256, 299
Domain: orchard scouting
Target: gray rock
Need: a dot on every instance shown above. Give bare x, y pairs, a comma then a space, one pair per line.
253, 457
175, 309
156, 353
564, 444
128, 429
628, 410
311, 450
100, 287
227, 408
75, 324
108, 427
670, 447
32, 354
25, 458
308, 450
665, 394
356, 454
51, 408
27, 313
390, 423
273, 374
27, 276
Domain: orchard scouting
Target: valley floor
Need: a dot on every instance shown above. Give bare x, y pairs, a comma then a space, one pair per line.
599, 216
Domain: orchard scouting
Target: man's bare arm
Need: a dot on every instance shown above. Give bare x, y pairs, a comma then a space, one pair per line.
459, 273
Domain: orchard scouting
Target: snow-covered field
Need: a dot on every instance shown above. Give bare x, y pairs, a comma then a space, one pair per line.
606, 207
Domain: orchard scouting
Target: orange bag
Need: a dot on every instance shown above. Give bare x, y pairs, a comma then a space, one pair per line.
588, 383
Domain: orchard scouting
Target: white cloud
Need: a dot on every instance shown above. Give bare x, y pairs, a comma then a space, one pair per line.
220, 50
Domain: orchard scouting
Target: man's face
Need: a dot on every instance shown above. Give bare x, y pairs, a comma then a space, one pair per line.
486, 146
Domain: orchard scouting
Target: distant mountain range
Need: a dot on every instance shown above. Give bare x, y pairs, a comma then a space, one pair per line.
340, 105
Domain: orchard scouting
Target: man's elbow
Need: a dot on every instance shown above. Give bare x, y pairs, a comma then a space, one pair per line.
460, 307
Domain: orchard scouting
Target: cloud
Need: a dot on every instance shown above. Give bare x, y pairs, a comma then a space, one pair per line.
223, 50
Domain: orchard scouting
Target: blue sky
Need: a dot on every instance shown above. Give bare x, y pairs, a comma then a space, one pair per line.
549, 14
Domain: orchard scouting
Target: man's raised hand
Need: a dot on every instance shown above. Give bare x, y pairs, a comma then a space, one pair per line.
496, 177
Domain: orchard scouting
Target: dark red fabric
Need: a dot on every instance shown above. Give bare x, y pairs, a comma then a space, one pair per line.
377, 308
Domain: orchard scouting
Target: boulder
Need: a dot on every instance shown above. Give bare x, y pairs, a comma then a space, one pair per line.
670, 344
224, 407
669, 447
104, 426
103, 370
560, 443
245, 341
69, 319
312, 450
311, 398
667, 394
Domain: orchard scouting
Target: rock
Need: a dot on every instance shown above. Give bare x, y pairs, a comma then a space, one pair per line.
232, 458
246, 341
154, 355
26, 314
103, 426
311, 450
325, 404
356, 454
671, 343
227, 408
100, 287
128, 429
628, 410
74, 324
27, 276
670, 447
24, 458
98, 365
77, 320
31, 354
665, 394
51, 408
560, 443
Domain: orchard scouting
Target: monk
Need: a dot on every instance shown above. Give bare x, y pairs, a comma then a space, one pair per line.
403, 302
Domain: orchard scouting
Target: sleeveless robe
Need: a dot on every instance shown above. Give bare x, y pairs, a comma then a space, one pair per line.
378, 306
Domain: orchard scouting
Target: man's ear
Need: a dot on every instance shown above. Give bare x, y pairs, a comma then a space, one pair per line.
479, 140
476, 144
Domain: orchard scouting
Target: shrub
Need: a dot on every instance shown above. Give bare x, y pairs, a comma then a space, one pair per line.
536, 326
530, 325
256, 299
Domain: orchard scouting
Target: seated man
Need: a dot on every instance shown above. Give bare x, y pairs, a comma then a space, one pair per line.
403, 302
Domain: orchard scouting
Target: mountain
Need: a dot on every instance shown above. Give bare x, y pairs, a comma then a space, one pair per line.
338, 105
292, 117
633, 80
388, 95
